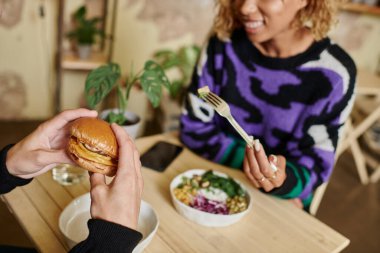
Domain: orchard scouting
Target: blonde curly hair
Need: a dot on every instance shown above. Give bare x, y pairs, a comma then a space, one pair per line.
319, 15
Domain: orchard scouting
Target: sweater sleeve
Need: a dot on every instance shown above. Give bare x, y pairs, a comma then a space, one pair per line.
200, 127
311, 163
106, 236
7, 181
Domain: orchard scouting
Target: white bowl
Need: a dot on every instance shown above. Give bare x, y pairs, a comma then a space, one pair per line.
204, 218
73, 222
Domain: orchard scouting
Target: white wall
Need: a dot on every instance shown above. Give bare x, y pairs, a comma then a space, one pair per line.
26, 51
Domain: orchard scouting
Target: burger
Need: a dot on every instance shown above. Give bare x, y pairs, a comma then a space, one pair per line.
93, 146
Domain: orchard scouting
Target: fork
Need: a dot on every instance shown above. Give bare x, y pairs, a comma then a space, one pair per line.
223, 109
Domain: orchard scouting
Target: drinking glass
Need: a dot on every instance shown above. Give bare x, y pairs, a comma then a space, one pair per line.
67, 174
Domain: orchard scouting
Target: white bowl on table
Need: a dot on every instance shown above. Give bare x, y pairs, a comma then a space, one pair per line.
201, 217
73, 222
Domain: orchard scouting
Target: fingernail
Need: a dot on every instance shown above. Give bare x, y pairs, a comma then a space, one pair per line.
257, 145
274, 167
252, 142
274, 159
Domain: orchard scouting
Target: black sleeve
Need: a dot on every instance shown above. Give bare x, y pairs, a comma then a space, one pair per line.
7, 181
106, 237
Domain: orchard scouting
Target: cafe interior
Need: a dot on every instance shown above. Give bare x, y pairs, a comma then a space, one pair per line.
45, 69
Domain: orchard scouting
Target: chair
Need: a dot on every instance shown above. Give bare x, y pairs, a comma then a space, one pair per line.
318, 195
364, 115
366, 112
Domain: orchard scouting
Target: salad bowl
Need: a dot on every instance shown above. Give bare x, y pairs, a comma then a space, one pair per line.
207, 205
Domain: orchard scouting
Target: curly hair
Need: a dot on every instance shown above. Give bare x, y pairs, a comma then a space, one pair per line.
318, 15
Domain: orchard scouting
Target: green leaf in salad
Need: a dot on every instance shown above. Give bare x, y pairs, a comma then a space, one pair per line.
228, 185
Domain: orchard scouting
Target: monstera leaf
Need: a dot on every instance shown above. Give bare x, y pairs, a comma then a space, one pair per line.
182, 60
152, 80
100, 82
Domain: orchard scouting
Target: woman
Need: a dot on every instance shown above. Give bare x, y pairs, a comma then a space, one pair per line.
287, 84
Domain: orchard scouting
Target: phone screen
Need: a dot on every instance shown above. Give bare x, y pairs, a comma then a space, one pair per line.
160, 155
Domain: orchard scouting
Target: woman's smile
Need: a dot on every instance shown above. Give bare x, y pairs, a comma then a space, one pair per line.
253, 26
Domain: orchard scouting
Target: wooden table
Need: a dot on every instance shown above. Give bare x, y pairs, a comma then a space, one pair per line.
273, 225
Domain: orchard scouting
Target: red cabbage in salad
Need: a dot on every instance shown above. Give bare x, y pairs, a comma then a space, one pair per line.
206, 205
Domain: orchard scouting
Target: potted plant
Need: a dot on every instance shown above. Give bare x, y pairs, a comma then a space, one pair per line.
179, 65
85, 32
182, 61
101, 81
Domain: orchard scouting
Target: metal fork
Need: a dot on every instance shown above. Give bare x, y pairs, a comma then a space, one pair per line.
223, 109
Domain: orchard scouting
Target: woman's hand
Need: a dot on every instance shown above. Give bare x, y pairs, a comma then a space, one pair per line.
45, 147
119, 201
260, 169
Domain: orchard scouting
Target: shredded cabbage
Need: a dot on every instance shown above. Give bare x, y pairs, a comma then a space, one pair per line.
211, 206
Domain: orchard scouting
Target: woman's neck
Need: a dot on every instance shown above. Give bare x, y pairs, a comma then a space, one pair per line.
288, 44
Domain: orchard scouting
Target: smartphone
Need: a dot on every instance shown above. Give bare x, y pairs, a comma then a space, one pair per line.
160, 155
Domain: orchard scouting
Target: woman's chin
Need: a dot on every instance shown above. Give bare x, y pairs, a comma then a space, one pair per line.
257, 37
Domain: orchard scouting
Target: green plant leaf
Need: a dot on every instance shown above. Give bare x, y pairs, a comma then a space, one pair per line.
184, 61
152, 80
117, 118
80, 14
175, 88
85, 30
95, 20
121, 101
188, 58
130, 80
167, 59
100, 82
228, 185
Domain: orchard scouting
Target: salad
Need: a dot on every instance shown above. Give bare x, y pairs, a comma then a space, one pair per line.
212, 193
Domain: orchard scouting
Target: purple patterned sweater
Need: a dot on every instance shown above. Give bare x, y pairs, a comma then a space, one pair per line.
295, 106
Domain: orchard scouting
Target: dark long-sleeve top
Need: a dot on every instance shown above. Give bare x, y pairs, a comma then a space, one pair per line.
104, 236
295, 106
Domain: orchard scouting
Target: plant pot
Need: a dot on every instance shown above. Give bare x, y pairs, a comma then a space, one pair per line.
133, 126
84, 51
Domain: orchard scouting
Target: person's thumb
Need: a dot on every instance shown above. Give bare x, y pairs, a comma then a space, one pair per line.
97, 179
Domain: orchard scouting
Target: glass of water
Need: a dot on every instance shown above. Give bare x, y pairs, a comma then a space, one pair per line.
67, 174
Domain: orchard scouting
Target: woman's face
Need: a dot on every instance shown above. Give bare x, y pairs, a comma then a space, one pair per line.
264, 20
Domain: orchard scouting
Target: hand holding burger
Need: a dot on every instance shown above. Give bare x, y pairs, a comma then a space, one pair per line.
119, 201
93, 146
45, 147
108, 150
